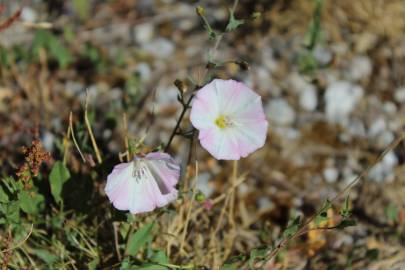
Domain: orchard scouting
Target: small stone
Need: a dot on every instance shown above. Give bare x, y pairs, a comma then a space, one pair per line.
144, 71
48, 141
280, 112
399, 94
384, 170
323, 55
360, 68
28, 14
308, 99
377, 127
203, 184
143, 33
341, 97
160, 47
330, 174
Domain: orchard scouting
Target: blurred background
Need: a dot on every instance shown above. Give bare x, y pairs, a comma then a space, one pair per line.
331, 75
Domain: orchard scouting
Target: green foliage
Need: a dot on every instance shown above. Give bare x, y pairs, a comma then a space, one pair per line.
392, 212
59, 175
4, 62
158, 261
372, 254
314, 30
346, 223
82, 8
31, 202
46, 256
258, 253
323, 214
139, 239
234, 262
3, 196
45, 39
345, 212
292, 227
307, 62
233, 22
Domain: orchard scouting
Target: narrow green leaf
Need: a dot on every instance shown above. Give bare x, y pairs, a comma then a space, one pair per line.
230, 266
59, 175
46, 256
3, 195
139, 239
345, 211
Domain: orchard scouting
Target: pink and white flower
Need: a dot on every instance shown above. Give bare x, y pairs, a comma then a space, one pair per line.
230, 118
143, 184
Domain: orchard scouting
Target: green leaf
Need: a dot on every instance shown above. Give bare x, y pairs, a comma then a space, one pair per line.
30, 204
12, 212
59, 51
46, 256
125, 264
3, 195
233, 23
292, 228
345, 211
139, 239
392, 212
45, 39
82, 8
234, 262
346, 223
93, 264
257, 253
323, 215
372, 254
59, 175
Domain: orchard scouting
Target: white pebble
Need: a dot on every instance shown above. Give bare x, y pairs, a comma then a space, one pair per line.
399, 94
330, 174
341, 97
280, 112
143, 33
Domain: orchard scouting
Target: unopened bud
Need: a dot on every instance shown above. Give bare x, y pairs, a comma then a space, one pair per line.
200, 197
200, 11
181, 85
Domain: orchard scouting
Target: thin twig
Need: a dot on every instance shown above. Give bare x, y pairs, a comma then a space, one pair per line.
193, 190
364, 173
93, 140
117, 247
183, 112
126, 141
72, 132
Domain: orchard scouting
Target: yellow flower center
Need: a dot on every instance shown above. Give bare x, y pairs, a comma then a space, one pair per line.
222, 122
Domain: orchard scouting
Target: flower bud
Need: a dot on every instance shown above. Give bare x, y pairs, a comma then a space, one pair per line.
200, 197
200, 11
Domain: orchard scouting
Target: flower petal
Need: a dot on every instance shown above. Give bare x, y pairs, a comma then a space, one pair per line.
154, 187
118, 185
243, 108
219, 144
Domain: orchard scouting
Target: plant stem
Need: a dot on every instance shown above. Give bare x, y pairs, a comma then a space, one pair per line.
183, 112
